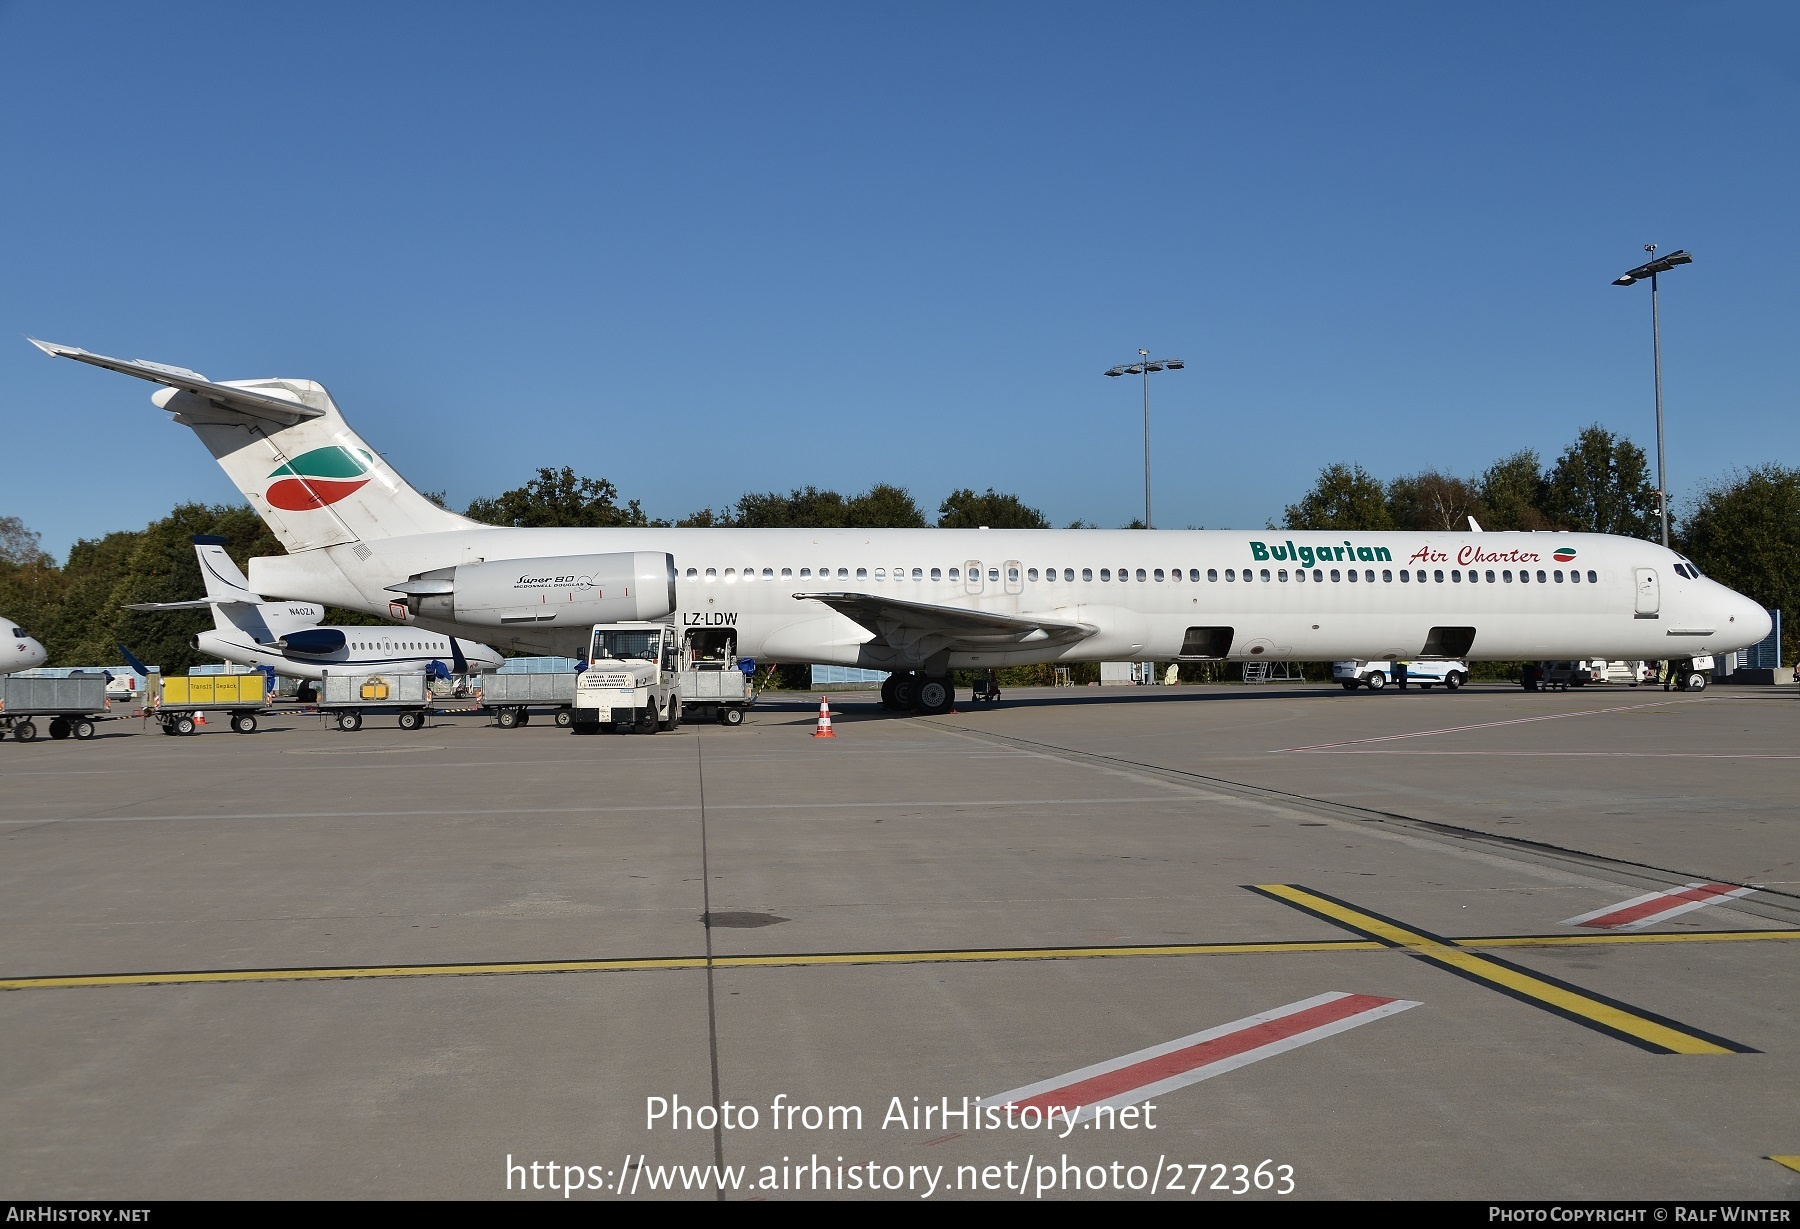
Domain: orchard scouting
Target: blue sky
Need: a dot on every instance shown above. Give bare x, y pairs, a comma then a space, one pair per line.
713, 248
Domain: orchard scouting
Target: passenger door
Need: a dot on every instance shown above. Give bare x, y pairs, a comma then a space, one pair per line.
1014, 577
1649, 594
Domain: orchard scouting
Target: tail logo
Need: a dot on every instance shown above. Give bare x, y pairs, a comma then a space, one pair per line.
1564, 554
319, 478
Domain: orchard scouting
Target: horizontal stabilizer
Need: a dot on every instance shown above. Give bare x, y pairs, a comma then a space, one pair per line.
196, 604
262, 407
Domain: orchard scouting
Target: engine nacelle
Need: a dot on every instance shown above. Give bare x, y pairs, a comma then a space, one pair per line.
562, 590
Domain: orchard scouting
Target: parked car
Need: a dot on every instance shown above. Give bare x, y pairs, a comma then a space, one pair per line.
1378, 674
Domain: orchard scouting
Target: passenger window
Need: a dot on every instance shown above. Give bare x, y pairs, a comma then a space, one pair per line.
1174, 574
1541, 579
1230, 573
712, 573
1124, 575
1265, 575
1369, 575
1334, 576
993, 574
1559, 576
1141, 577
1438, 575
1507, 576
1593, 578
1012, 575
1474, 576
1300, 575
1351, 574
1574, 576
730, 574
786, 572
1194, 575
1212, 573
861, 573
954, 574
1030, 573
918, 573
1405, 576
693, 572
1159, 574
806, 571
768, 573
1105, 573
880, 573
1387, 576
1283, 575
844, 573
1524, 577
1068, 573
1087, 573
936, 574
1455, 576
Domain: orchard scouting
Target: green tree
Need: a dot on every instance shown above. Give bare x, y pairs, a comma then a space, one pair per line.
19, 545
1601, 484
1512, 491
1344, 497
560, 497
1744, 532
964, 509
882, 506
1434, 502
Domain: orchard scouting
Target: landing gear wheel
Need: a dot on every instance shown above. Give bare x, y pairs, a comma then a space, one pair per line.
349, 722
1454, 680
647, 723
24, 731
244, 723
731, 716
507, 718
906, 692
1375, 681
82, 729
185, 725
411, 720
1696, 681
564, 717
936, 695
59, 728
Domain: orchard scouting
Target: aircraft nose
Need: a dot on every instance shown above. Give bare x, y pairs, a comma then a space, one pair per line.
1750, 621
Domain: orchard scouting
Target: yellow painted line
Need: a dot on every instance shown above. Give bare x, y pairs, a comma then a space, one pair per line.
1619, 1019
1792, 1162
803, 959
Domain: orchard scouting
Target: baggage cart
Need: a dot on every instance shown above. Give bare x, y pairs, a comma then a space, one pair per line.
71, 704
348, 698
511, 697
180, 703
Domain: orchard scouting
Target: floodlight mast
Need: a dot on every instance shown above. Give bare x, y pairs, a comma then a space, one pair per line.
1144, 366
1650, 269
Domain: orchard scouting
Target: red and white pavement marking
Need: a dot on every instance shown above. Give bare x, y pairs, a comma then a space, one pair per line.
1654, 907
1136, 1077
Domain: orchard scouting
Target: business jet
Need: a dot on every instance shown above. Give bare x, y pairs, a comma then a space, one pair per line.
250, 630
920, 602
20, 652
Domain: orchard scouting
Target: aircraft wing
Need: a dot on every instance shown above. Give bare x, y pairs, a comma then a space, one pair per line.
259, 406
904, 624
197, 604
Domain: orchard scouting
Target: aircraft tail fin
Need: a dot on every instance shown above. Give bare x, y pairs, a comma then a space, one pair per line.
283, 442
225, 581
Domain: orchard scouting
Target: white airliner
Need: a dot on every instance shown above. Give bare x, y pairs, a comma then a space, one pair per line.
920, 602
252, 631
19, 651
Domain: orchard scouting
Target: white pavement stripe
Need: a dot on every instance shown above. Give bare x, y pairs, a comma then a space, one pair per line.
1089, 1087
1486, 725
1642, 911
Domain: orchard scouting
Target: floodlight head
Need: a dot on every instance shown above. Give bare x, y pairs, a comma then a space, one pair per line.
1136, 369
1116, 371
1153, 366
1661, 264
1174, 364
1624, 280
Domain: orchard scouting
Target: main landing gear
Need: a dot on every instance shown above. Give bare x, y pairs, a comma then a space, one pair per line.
930, 694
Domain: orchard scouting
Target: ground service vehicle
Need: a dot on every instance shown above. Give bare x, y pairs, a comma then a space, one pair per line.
72, 704
715, 682
1378, 674
348, 698
179, 702
633, 679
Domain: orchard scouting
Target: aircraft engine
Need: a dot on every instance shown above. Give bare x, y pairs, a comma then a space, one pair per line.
562, 590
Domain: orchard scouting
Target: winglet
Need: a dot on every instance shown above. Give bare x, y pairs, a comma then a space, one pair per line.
132, 661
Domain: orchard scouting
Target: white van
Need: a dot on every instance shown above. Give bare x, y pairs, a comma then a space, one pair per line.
1378, 674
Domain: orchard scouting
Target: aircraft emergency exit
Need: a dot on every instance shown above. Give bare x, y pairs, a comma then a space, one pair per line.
919, 602
250, 630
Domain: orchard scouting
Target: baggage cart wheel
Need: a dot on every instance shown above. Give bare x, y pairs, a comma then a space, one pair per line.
349, 722
184, 724
564, 717
59, 728
507, 718
731, 716
82, 729
524, 716
411, 720
244, 723
167, 724
24, 731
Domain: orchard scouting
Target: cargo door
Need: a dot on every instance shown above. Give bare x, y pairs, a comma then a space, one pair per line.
1649, 594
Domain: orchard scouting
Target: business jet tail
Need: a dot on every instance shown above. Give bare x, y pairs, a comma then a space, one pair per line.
234, 606
283, 442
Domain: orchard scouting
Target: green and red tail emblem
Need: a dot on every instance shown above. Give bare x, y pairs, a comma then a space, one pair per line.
318, 478
1564, 554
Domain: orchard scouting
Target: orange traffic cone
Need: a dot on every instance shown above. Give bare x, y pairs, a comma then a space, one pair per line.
199, 718
824, 730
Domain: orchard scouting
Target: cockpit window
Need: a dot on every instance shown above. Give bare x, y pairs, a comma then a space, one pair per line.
18, 633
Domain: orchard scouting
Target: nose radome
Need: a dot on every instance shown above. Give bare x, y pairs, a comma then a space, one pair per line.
1752, 619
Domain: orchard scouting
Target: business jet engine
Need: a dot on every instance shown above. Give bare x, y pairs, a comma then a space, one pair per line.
561, 591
